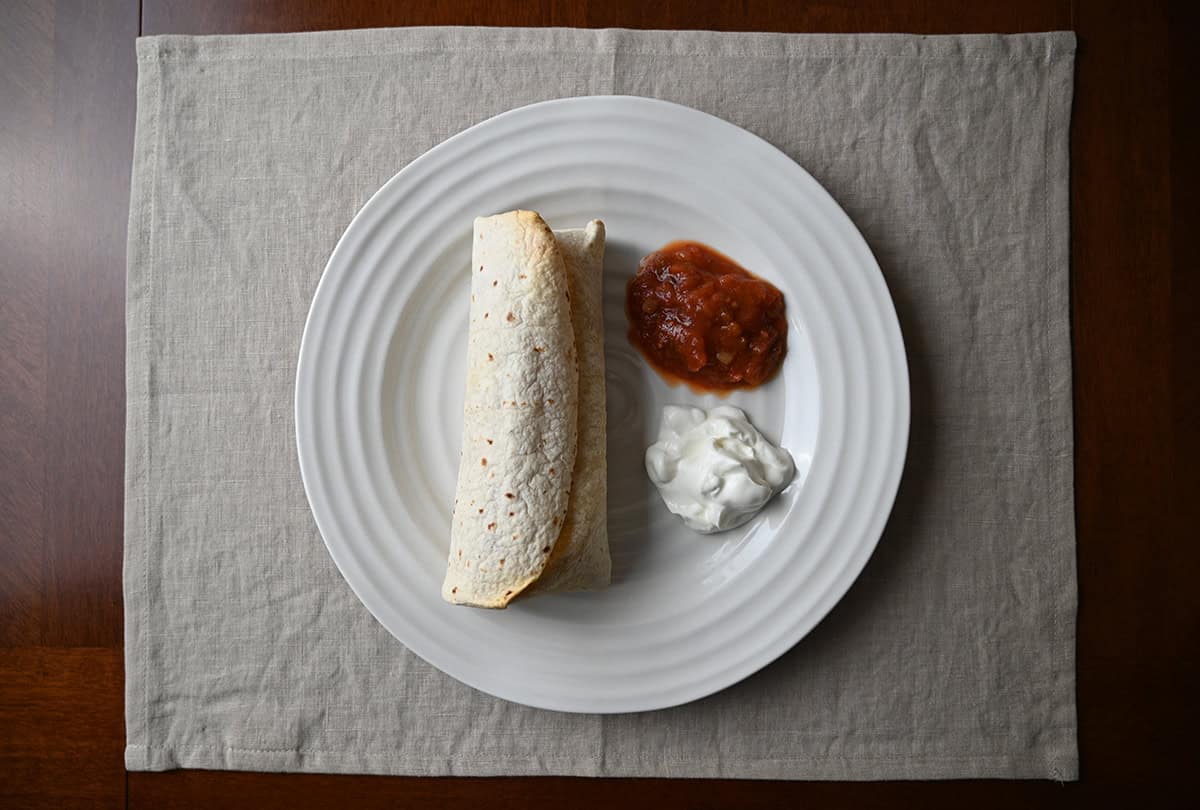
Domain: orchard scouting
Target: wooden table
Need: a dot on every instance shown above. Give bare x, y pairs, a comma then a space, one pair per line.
67, 80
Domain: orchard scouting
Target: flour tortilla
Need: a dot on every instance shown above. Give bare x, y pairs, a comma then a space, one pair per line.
520, 414
580, 559
532, 483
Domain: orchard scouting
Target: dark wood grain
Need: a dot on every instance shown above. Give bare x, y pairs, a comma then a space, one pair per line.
67, 82
182, 789
68, 110
1184, 77
26, 83
918, 16
91, 150
60, 715
66, 118
1121, 314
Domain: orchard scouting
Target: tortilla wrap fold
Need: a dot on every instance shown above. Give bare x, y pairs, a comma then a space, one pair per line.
531, 498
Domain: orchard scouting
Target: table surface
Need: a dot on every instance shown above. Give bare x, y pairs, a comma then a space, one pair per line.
67, 82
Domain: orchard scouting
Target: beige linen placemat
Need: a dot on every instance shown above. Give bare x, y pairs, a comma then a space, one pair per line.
952, 656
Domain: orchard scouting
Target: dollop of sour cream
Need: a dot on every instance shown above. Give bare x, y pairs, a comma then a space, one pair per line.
714, 469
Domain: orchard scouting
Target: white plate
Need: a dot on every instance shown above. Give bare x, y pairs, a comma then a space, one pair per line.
380, 387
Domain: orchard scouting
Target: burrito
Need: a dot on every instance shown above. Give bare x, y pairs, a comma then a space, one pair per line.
529, 511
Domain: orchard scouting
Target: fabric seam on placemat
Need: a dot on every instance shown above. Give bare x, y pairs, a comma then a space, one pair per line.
1064, 416
680, 760
148, 311
1047, 260
170, 57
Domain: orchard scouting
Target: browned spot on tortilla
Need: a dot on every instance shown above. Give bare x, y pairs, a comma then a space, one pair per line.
552, 471
490, 356
483, 462
481, 511
502, 561
510, 514
454, 589
550, 402
520, 275
491, 527
509, 495
460, 552
485, 316
508, 593
510, 317
481, 266
538, 349
546, 549
494, 283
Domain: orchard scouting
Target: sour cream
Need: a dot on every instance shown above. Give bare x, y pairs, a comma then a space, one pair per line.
714, 469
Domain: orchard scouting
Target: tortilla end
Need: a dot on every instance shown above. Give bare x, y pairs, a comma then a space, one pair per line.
460, 595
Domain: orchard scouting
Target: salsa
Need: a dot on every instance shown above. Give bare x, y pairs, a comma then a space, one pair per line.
699, 316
